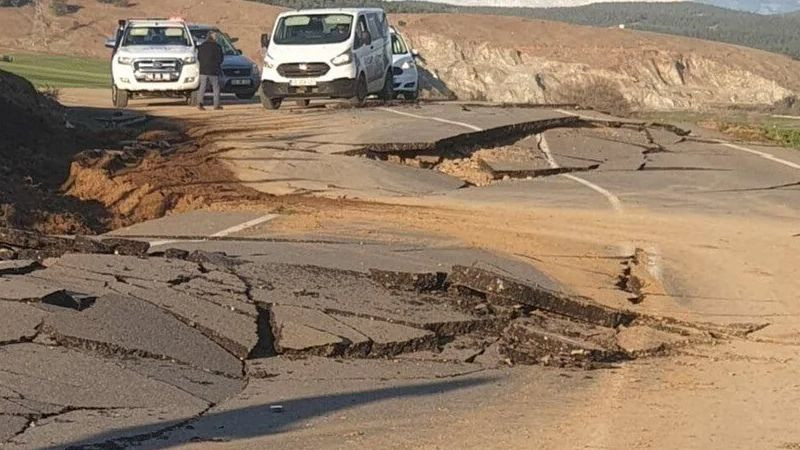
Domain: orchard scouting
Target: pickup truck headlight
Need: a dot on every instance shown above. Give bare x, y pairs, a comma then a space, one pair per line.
344, 58
189, 60
125, 60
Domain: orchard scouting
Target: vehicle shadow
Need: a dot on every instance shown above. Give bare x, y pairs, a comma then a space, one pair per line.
264, 419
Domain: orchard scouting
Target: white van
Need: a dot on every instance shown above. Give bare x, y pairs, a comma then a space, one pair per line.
327, 53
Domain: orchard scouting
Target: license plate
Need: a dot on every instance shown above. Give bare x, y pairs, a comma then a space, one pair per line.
157, 77
302, 82
240, 82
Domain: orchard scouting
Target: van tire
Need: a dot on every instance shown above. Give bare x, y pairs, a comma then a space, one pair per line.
387, 94
360, 94
270, 103
119, 97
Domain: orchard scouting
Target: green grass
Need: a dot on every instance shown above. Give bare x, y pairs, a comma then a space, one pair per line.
60, 71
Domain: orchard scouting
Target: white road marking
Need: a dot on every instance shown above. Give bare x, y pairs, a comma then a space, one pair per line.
245, 225
437, 119
781, 116
226, 232
764, 155
615, 202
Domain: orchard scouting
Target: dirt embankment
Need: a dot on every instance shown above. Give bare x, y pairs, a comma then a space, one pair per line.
37, 143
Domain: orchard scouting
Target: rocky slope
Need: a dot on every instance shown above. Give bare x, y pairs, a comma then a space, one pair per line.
537, 61
478, 57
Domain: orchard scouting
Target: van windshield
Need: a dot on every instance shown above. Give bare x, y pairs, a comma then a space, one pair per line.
313, 29
156, 35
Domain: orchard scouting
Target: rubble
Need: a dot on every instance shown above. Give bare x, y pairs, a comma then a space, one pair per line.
32, 245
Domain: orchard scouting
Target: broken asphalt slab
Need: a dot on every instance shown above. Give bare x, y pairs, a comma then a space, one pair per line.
119, 326
19, 322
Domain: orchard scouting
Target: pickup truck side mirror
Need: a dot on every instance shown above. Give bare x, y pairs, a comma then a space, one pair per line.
265, 40
366, 38
111, 43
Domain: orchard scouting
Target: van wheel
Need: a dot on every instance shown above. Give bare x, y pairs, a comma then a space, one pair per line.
361, 93
270, 103
387, 94
119, 97
303, 103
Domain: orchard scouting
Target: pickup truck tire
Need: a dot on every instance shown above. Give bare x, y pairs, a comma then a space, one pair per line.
360, 95
193, 99
270, 103
387, 94
119, 97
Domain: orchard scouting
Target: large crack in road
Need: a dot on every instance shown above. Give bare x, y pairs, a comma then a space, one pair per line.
190, 330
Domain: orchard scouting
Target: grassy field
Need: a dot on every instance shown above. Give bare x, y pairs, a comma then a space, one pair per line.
51, 71
744, 125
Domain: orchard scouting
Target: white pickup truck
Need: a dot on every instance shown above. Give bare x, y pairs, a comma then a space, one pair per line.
153, 57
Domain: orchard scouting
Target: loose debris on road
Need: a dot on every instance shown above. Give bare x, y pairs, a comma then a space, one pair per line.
190, 329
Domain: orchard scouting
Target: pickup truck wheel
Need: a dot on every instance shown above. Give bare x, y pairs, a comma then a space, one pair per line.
387, 94
270, 103
193, 99
360, 94
119, 97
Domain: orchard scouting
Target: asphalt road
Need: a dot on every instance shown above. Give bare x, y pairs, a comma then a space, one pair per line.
717, 220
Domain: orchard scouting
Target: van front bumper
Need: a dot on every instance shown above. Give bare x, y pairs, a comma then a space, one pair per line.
339, 88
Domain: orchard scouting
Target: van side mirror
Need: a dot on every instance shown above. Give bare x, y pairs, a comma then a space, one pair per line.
111, 43
414, 53
366, 38
265, 40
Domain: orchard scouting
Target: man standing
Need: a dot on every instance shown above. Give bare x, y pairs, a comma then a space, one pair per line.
210, 57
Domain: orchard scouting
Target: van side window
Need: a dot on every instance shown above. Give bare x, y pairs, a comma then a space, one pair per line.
360, 28
374, 28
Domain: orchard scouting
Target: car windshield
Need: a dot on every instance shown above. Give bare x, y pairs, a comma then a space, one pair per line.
156, 35
398, 46
313, 29
200, 35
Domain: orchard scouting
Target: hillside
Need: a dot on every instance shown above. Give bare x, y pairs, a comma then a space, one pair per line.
756, 6
776, 33
528, 61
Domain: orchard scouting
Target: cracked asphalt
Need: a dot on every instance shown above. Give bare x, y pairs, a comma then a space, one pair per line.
438, 313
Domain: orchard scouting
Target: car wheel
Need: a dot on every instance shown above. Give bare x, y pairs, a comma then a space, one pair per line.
360, 95
387, 94
245, 95
303, 103
119, 97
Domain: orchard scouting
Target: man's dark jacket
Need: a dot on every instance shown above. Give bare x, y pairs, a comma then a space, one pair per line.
210, 57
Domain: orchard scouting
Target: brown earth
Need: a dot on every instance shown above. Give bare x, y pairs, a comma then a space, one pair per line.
530, 61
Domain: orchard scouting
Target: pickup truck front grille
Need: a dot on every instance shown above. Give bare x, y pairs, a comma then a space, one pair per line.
309, 70
237, 72
158, 70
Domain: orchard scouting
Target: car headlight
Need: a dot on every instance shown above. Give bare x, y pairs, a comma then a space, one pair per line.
126, 60
344, 58
189, 60
407, 65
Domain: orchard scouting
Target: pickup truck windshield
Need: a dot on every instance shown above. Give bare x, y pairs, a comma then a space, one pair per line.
156, 35
313, 29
